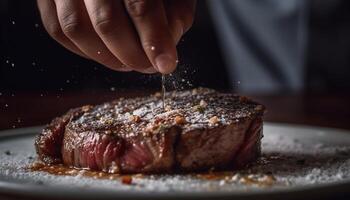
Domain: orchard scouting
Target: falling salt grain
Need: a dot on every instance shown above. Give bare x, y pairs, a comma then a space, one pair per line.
112, 89
67, 81
6, 105
236, 177
153, 48
222, 182
13, 22
12, 64
99, 52
36, 25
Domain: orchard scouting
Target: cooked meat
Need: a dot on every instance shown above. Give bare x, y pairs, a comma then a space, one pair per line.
199, 129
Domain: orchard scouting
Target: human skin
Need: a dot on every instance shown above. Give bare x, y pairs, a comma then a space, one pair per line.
124, 35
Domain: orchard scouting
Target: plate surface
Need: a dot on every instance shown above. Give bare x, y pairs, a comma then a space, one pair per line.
304, 162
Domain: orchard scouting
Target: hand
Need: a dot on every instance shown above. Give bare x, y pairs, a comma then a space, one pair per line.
123, 35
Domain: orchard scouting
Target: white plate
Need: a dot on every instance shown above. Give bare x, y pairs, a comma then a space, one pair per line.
306, 162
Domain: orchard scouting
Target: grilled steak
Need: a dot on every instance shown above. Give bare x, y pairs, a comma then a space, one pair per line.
199, 129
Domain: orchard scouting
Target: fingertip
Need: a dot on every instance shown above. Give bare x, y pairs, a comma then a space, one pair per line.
165, 63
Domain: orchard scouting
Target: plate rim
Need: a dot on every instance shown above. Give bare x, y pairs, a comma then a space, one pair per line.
25, 190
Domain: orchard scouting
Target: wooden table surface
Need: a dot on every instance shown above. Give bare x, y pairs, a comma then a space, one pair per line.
24, 109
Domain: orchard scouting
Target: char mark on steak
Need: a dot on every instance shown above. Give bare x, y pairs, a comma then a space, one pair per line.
200, 129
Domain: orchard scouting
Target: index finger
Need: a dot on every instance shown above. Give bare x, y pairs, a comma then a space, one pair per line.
150, 21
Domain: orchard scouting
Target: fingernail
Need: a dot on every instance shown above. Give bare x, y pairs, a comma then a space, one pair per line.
165, 63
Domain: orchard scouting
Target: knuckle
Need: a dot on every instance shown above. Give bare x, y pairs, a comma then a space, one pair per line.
71, 25
104, 25
136, 8
54, 30
103, 20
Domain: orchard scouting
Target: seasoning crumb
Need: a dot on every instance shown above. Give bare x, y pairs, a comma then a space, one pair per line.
167, 108
7, 152
243, 99
180, 120
127, 180
134, 118
199, 108
259, 108
203, 103
158, 94
85, 108
195, 91
213, 120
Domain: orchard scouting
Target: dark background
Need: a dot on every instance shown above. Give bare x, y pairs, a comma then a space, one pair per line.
31, 60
